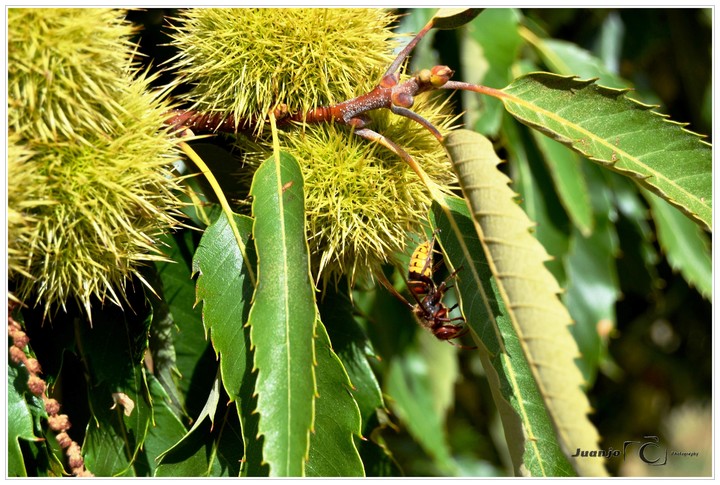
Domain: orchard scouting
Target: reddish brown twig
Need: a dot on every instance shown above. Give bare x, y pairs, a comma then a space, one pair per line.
476, 88
216, 122
205, 122
389, 94
398, 98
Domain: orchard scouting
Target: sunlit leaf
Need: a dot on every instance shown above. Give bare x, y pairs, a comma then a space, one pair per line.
619, 133
282, 318
533, 445
224, 287
452, 18
532, 182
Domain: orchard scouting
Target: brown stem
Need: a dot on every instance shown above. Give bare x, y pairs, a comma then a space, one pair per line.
217, 122
348, 112
391, 71
496, 93
205, 122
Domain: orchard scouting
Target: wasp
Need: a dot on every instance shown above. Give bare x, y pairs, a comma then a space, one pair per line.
429, 309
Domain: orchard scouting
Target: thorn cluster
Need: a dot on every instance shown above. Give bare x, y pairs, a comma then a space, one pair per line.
90, 181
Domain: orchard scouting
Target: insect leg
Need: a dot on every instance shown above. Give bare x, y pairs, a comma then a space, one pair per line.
443, 286
445, 319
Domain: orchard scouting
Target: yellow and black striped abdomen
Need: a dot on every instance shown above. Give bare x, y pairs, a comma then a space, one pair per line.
420, 269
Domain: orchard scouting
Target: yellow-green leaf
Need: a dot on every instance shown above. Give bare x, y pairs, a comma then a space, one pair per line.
532, 442
529, 293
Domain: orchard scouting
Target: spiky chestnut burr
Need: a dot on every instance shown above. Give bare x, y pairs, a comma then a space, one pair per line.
90, 179
245, 61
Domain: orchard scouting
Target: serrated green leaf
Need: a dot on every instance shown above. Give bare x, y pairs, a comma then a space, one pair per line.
224, 286
353, 348
337, 417
686, 246
531, 180
194, 365
531, 439
166, 427
567, 58
282, 318
212, 448
529, 294
568, 179
619, 133
20, 423
190, 465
